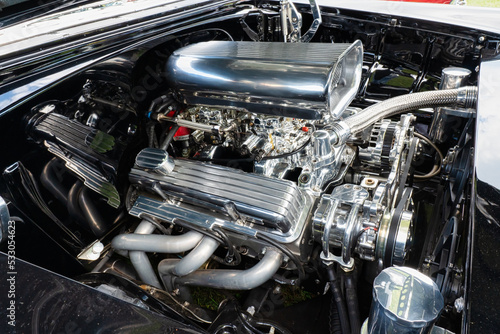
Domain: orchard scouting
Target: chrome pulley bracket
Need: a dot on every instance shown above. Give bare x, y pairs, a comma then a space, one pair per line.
291, 22
353, 226
316, 13
338, 221
391, 150
327, 220
398, 157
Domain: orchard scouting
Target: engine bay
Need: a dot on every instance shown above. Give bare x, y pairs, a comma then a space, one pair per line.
271, 174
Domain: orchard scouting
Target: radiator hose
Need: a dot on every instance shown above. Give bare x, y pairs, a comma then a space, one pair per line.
464, 97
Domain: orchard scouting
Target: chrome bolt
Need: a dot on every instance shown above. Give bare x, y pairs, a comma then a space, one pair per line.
251, 310
97, 248
459, 304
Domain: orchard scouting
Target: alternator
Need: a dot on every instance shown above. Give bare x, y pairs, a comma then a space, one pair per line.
383, 136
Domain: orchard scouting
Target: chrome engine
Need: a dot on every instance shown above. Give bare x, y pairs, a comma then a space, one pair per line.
262, 159
235, 104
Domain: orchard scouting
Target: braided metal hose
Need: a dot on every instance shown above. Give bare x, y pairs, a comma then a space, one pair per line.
464, 97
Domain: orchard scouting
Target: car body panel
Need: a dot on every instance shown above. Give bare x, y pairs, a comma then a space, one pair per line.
49, 303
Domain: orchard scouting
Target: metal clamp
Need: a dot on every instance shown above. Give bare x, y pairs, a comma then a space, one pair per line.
328, 260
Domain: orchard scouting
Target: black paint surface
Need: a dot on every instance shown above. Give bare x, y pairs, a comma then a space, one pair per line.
49, 303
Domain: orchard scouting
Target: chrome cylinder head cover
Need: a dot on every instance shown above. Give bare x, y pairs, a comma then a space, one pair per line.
247, 202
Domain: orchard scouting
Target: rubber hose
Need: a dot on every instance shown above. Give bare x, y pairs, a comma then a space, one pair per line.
339, 300
352, 303
334, 318
170, 136
171, 133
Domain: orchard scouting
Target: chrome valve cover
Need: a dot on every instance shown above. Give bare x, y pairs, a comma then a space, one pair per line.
276, 206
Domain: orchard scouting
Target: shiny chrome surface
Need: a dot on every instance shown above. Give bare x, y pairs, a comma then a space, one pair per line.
403, 238
83, 149
155, 160
302, 80
339, 219
291, 21
226, 278
269, 135
297, 141
395, 232
207, 219
463, 97
170, 198
317, 20
323, 162
322, 144
380, 144
92, 177
260, 200
443, 121
405, 301
454, 77
253, 143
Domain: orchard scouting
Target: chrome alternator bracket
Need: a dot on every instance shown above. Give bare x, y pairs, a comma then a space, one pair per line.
338, 221
349, 220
